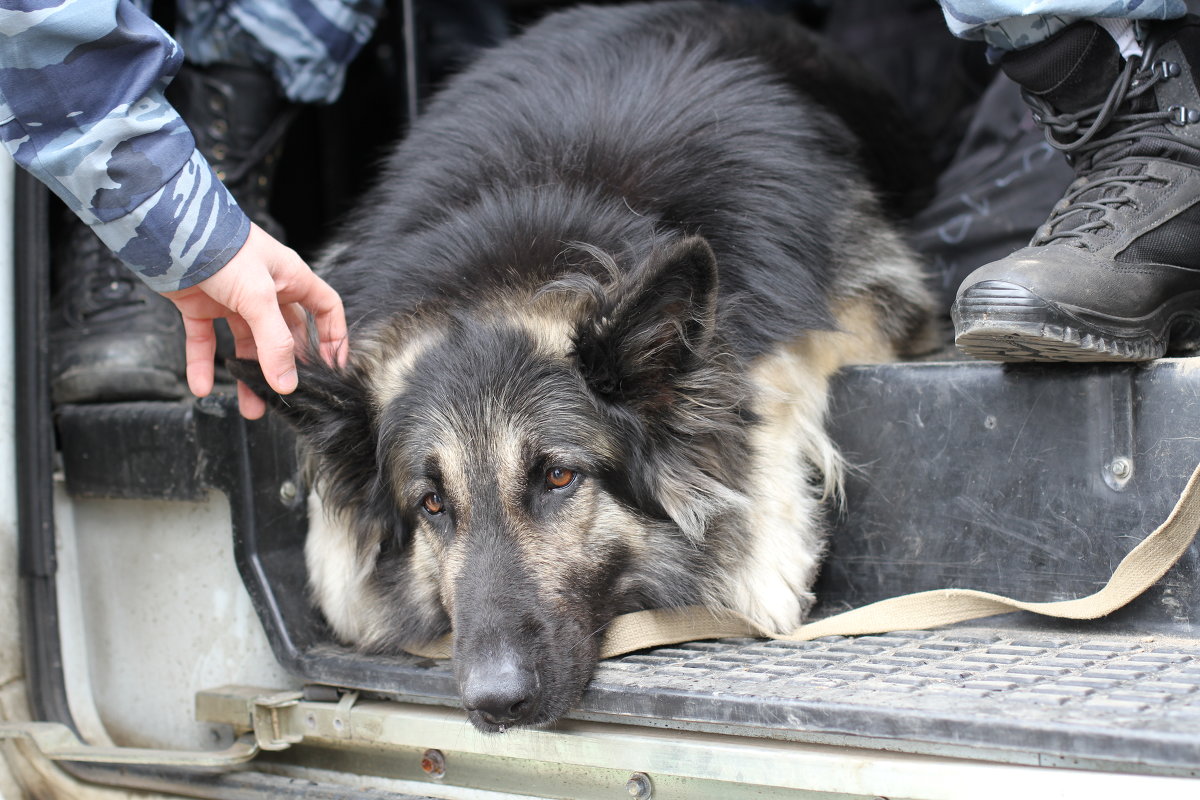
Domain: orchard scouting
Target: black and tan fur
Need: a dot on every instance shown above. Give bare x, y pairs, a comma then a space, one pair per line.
631, 246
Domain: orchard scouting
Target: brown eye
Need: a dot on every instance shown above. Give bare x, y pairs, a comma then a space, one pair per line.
559, 477
432, 503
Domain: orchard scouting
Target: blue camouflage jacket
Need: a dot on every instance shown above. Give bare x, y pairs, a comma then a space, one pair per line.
82, 108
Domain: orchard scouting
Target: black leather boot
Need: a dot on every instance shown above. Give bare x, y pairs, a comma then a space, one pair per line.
112, 338
238, 119
1114, 273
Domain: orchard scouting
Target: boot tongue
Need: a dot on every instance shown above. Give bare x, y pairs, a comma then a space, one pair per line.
1073, 70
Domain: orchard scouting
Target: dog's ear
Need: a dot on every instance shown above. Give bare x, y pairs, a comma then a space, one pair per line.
654, 331
324, 394
331, 411
649, 349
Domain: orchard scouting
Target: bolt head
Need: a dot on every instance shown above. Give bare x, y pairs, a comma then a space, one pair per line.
433, 763
638, 786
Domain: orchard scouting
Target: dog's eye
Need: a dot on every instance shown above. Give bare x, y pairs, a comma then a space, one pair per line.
432, 503
559, 477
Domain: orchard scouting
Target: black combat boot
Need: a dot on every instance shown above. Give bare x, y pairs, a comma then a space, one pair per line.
112, 338
238, 119
1114, 273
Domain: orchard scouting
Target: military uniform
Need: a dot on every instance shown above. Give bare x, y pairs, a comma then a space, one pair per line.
1015, 24
82, 107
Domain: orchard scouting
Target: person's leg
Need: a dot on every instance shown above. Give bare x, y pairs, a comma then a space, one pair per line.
305, 47
1113, 269
1007, 25
250, 63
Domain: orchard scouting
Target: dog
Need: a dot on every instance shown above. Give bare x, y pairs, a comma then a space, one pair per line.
597, 294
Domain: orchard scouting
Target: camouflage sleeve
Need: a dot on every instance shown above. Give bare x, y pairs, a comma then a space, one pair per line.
1013, 24
82, 108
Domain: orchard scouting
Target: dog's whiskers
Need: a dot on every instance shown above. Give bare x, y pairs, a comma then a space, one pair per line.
588, 636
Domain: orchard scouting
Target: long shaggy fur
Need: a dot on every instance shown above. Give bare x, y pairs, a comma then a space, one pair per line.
597, 294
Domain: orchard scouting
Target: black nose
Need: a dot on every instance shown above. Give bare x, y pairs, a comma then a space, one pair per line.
501, 690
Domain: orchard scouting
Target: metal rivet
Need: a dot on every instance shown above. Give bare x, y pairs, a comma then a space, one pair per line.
989, 422
338, 723
638, 786
287, 491
433, 763
1167, 69
310, 720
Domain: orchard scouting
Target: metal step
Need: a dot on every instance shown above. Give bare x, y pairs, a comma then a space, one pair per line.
1029, 481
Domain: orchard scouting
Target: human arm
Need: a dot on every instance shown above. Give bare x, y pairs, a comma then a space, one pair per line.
82, 108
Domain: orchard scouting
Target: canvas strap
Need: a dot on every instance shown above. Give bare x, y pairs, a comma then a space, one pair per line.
1138, 571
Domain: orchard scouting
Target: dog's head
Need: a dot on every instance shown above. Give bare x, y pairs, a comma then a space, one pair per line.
523, 476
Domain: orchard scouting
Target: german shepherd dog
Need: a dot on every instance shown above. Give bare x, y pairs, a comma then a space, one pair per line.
596, 296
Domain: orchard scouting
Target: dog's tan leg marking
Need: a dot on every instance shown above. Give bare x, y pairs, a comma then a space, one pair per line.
784, 533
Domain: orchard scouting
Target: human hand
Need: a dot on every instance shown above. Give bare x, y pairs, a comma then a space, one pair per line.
263, 292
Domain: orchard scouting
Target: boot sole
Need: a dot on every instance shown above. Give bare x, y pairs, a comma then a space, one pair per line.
1000, 321
126, 384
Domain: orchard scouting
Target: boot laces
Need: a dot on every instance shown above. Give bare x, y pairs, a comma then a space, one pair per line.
107, 284
1105, 171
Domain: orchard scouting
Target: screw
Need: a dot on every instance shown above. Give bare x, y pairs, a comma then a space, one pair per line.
433, 763
638, 786
287, 491
1120, 467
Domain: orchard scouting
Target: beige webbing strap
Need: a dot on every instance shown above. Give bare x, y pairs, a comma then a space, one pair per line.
1136, 573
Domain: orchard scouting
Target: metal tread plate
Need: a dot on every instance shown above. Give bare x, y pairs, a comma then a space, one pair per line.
1119, 699
1018, 695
